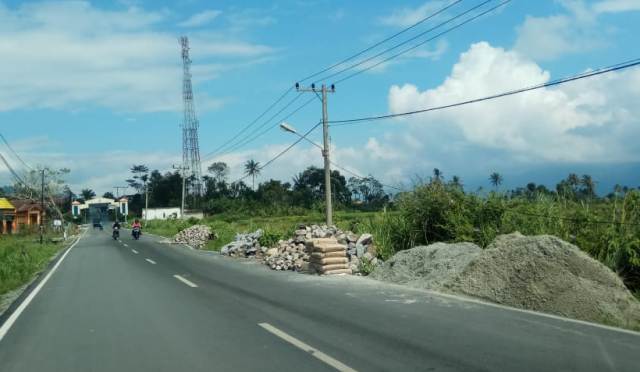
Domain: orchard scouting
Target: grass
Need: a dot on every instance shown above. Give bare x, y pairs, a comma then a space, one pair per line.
22, 256
278, 227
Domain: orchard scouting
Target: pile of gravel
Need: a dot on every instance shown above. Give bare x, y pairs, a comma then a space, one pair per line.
541, 273
195, 236
428, 267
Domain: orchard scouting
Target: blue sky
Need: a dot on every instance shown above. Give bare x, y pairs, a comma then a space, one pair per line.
96, 87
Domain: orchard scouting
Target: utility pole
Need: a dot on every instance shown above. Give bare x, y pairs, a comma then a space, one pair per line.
325, 152
118, 197
146, 202
42, 210
183, 171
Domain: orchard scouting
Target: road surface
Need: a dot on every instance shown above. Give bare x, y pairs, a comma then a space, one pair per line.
150, 306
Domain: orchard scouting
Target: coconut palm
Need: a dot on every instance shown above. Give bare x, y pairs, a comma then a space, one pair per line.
437, 174
496, 179
455, 181
589, 187
252, 168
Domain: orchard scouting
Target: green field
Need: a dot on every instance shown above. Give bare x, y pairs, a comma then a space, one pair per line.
22, 256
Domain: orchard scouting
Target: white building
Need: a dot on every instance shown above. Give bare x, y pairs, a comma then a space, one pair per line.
160, 213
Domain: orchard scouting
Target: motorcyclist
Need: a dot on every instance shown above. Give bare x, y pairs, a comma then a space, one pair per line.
115, 229
136, 225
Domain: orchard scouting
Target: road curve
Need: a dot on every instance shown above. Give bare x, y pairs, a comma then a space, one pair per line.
149, 306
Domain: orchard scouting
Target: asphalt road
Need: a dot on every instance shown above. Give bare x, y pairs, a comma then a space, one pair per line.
150, 306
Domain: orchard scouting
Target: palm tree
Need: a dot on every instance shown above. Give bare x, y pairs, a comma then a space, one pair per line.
589, 186
496, 179
455, 181
252, 168
437, 174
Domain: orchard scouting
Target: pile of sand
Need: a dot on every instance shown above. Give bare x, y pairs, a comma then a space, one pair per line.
540, 273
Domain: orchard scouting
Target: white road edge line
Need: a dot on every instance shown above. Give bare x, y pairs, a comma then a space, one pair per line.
150, 261
14, 316
313, 351
134, 251
185, 281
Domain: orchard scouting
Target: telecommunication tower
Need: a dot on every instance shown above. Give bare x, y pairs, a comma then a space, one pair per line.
190, 143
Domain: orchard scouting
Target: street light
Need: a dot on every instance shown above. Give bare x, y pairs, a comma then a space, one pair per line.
288, 128
325, 154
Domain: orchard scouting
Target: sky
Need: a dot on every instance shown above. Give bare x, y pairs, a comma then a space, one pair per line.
97, 87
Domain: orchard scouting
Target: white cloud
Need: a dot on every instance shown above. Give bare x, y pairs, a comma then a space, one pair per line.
588, 121
547, 38
574, 31
616, 6
70, 55
200, 19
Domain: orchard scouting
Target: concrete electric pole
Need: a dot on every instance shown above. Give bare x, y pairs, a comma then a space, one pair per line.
183, 172
325, 152
118, 197
42, 210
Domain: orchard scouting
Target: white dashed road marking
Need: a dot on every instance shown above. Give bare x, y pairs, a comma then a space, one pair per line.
301, 345
125, 244
150, 261
134, 251
185, 281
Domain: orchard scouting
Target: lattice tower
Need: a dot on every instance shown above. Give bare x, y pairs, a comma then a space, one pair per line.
190, 143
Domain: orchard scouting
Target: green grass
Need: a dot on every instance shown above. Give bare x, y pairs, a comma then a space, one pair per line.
227, 226
21, 257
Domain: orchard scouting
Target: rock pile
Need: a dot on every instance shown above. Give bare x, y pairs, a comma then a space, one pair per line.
328, 257
195, 236
245, 245
294, 253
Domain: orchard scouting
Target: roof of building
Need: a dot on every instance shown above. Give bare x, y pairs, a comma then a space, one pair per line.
6, 204
25, 205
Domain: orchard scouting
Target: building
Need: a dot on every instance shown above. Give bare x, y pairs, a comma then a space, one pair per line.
7, 216
19, 214
28, 213
160, 213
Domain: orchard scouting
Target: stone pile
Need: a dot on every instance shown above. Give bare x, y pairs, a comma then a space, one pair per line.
195, 236
245, 245
328, 257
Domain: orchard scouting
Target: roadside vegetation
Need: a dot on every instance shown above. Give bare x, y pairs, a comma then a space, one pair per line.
22, 256
437, 210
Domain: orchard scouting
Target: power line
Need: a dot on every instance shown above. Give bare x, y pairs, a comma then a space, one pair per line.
244, 129
616, 67
360, 177
248, 140
420, 43
358, 54
240, 141
14, 152
288, 90
283, 151
404, 42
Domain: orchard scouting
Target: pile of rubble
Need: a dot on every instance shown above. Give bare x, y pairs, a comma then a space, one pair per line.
195, 236
295, 254
245, 245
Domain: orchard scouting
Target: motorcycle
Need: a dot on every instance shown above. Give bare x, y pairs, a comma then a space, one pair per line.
136, 233
116, 233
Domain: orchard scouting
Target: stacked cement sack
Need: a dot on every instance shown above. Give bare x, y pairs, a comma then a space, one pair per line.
328, 257
195, 236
